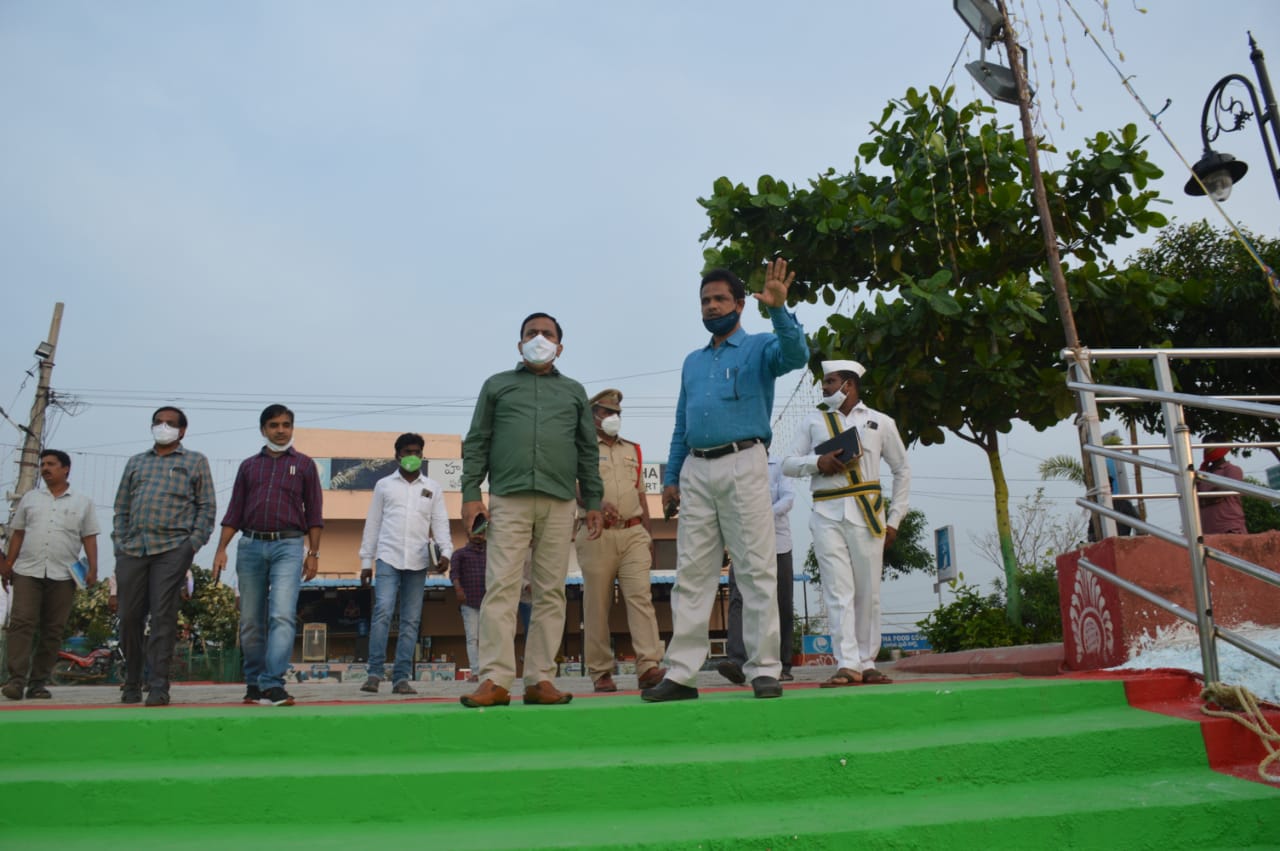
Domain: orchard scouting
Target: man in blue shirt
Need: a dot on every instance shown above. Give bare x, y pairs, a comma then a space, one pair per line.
717, 473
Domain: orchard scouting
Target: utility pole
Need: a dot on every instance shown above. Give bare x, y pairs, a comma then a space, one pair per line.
29, 464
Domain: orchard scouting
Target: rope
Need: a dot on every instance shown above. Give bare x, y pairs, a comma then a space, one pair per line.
1240, 705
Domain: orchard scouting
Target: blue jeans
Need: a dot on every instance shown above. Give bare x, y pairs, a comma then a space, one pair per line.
269, 573
388, 583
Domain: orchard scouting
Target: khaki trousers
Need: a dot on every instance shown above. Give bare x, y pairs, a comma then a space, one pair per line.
40, 607
621, 554
724, 502
514, 522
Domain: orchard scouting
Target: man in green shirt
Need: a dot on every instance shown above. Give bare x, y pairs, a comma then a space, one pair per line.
533, 436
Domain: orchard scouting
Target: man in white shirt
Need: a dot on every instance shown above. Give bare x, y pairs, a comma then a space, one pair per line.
849, 528
50, 526
406, 514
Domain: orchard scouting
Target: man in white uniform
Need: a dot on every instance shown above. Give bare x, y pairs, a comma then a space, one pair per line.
849, 528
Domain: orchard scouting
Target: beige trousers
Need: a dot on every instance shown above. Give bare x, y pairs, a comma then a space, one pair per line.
515, 522
724, 502
621, 554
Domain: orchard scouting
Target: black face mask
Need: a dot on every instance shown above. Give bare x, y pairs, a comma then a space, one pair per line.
721, 325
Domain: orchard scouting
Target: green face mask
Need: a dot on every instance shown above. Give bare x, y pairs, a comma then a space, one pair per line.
411, 463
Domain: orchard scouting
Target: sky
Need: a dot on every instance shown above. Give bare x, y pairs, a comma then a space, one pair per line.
349, 208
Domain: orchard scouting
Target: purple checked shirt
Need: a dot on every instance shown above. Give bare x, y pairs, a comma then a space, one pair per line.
275, 494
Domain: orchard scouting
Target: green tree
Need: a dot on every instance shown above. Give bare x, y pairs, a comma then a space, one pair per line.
1259, 515
910, 552
211, 611
1223, 299
90, 614
961, 333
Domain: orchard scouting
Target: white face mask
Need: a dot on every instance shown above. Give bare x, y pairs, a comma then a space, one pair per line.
164, 434
277, 447
834, 401
611, 425
538, 351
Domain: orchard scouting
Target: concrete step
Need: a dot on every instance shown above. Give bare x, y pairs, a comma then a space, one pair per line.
1054, 763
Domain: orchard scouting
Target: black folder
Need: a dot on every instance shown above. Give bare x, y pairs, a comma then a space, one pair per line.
846, 440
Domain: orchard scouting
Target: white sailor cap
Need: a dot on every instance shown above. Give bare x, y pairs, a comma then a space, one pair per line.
830, 366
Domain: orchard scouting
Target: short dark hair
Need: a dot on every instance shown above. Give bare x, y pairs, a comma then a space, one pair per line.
735, 283
182, 418
271, 412
559, 330
63, 458
408, 439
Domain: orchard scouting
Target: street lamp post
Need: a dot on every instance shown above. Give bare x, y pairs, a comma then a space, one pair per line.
1217, 172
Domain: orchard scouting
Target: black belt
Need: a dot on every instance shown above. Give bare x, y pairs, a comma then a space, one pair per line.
727, 449
272, 536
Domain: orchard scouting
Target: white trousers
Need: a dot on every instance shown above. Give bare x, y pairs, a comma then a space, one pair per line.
850, 560
724, 502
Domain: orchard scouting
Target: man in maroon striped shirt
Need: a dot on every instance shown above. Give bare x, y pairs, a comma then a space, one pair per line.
466, 569
276, 506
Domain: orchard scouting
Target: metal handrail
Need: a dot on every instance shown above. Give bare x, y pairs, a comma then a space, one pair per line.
1181, 467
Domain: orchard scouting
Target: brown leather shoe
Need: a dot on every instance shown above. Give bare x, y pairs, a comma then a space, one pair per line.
652, 677
489, 694
606, 683
545, 694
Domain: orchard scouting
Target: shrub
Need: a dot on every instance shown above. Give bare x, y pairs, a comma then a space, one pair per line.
974, 621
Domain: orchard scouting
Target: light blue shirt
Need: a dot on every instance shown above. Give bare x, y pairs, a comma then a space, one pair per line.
726, 391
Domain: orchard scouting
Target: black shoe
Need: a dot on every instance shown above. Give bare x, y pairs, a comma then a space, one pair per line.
157, 697
252, 694
668, 690
731, 671
785, 677
131, 694
371, 685
38, 693
276, 697
12, 690
766, 687
403, 687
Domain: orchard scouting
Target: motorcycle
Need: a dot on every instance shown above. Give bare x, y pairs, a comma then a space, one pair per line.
103, 664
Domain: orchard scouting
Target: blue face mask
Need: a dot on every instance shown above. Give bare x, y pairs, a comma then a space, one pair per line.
721, 325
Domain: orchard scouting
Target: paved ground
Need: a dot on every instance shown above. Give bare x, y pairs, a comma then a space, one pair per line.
344, 692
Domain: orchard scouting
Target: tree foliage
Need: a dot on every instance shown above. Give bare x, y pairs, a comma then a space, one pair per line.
1039, 533
91, 614
1259, 515
973, 620
962, 333
211, 610
910, 552
1222, 299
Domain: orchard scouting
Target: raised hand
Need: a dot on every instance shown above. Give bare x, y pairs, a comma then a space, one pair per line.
776, 284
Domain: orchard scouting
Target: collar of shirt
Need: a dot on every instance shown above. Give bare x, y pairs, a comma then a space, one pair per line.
735, 339
178, 450
524, 367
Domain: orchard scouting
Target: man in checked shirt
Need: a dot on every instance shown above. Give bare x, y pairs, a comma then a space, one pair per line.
164, 513
276, 507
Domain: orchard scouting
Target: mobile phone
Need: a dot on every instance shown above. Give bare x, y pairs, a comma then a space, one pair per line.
480, 524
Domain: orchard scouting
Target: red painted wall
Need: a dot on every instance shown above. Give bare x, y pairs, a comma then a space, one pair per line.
1101, 623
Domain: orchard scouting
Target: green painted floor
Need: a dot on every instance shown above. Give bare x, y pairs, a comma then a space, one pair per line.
973, 764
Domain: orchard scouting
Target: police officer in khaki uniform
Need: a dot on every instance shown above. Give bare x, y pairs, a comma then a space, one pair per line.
623, 552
